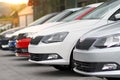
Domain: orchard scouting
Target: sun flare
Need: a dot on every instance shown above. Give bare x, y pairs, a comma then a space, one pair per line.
15, 1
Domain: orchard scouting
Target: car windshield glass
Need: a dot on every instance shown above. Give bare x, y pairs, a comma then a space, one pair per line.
76, 14
42, 20
11, 31
60, 16
21, 36
102, 10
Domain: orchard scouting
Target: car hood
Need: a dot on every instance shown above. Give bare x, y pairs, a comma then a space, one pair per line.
74, 26
36, 28
110, 29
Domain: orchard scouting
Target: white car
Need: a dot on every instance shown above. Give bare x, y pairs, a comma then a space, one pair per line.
97, 52
54, 46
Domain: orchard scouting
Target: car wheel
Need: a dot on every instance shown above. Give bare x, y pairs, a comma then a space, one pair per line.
113, 78
66, 67
72, 65
62, 67
71, 62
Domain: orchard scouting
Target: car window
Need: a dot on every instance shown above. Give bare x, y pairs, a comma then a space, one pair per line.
21, 36
102, 10
11, 31
75, 15
60, 16
42, 19
113, 16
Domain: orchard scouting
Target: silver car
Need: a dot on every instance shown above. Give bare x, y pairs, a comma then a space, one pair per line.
97, 53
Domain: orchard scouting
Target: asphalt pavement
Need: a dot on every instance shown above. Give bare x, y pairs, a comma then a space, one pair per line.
19, 68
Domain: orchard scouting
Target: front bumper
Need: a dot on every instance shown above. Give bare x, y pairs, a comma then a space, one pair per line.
115, 74
12, 48
64, 51
96, 59
43, 59
4, 44
12, 45
22, 55
22, 52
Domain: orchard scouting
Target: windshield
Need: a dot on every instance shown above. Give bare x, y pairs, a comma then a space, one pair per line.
21, 36
42, 19
60, 16
76, 14
103, 9
11, 31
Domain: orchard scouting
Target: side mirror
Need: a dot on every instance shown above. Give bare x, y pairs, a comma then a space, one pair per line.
117, 16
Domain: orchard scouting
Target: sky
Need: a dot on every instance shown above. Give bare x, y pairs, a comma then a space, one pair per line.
14, 1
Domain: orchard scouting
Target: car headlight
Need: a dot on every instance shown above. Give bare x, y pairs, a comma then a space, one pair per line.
108, 41
57, 37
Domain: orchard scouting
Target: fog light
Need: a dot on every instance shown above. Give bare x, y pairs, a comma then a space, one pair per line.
109, 67
53, 56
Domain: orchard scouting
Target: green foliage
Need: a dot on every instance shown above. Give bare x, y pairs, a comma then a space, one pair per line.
49, 6
95, 1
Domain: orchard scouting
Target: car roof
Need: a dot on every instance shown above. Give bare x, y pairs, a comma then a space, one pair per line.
74, 9
95, 4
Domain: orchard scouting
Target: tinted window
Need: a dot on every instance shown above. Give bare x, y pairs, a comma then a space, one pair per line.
42, 20
76, 14
21, 36
103, 9
60, 16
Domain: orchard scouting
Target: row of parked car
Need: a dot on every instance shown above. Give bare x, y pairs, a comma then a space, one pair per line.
4, 27
85, 40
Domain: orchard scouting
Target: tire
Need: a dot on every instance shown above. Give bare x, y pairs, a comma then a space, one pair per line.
71, 62
113, 78
66, 67
62, 67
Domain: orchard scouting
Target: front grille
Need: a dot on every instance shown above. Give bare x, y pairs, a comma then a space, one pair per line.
4, 42
38, 57
36, 40
93, 66
89, 67
12, 48
20, 50
85, 44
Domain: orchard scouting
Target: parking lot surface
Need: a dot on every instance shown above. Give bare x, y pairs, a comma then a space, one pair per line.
19, 68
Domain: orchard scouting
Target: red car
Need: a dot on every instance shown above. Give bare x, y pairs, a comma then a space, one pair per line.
22, 44
22, 47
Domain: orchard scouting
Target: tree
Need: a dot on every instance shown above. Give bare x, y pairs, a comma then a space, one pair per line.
48, 6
